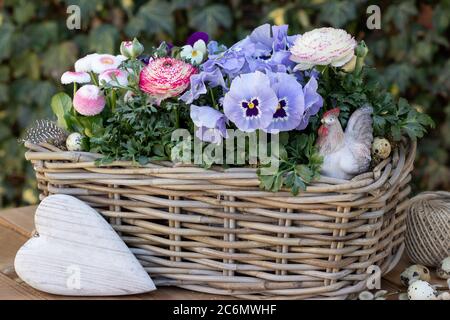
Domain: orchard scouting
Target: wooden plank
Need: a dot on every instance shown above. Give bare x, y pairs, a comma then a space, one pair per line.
10, 242
21, 220
11, 290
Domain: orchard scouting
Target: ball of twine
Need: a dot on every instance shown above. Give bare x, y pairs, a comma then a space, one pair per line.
428, 228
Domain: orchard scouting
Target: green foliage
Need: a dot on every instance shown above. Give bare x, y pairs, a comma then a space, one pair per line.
300, 164
392, 119
61, 106
411, 51
137, 132
211, 18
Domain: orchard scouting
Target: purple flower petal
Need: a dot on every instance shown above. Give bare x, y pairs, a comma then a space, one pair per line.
251, 102
197, 36
280, 41
313, 102
198, 82
291, 103
210, 122
262, 35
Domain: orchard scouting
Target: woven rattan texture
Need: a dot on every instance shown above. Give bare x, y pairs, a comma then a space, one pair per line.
215, 231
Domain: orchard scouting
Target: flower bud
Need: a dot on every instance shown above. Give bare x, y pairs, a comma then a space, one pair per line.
361, 50
350, 66
131, 49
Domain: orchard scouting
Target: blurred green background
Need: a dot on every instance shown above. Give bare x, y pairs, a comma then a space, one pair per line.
411, 52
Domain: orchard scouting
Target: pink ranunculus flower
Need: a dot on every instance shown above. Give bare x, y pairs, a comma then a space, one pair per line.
115, 77
323, 46
89, 100
165, 77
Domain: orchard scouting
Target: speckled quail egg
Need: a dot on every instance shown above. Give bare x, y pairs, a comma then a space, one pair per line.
421, 290
403, 296
381, 148
443, 271
366, 295
73, 142
413, 273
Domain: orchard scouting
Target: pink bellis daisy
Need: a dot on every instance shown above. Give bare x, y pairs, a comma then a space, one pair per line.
84, 64
89, 100
103, 62
165, 77
75, 77
115, 77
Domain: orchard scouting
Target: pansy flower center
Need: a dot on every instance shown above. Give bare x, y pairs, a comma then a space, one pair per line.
251, 107
281, 113
194, 53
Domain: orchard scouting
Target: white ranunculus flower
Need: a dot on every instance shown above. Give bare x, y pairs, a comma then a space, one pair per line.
323, 46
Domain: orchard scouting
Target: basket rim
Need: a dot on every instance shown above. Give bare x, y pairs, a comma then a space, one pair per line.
387, 171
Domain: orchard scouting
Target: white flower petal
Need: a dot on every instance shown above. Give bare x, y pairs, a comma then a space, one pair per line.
196, 57
343, 60
200, 45
186, 51
78, 77
85, 64
323, 46
103, 62
303, 66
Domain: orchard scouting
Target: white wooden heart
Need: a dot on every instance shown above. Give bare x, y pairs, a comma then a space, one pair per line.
77, 253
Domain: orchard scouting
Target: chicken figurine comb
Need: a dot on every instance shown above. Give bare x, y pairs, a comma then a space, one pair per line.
335, 112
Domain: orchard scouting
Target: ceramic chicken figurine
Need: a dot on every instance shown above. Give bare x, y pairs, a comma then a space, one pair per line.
346, 154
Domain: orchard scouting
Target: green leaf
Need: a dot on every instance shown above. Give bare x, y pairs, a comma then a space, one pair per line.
24, 11
41, 34
4, 93
61, 105
104, 39
338, 13
209, 19
59, 58
6, 36
153, 17
28, 63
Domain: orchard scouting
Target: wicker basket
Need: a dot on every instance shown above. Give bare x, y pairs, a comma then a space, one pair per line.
215, 231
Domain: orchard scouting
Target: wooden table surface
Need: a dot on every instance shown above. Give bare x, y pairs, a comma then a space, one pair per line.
17, 225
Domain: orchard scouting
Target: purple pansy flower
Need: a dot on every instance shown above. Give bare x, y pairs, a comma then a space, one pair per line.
291, 103
193, 38
230, 62
313, 102
251, 102
198, 84
214, 48
266, 49
304, 76
210, 123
